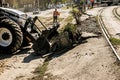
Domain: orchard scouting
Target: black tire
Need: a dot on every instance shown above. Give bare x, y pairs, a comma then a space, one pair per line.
16, 34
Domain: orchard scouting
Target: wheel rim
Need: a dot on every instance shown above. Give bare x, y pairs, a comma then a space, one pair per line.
5, 37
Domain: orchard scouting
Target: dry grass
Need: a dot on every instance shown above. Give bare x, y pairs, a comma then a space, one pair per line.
41, 71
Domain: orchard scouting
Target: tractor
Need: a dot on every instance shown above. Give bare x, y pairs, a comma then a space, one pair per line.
12, 30
18, 29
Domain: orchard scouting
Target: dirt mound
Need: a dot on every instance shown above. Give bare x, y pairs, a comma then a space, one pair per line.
90, 25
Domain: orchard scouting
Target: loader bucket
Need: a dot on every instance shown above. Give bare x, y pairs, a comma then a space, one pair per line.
41, 45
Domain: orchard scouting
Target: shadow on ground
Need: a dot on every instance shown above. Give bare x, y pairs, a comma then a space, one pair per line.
30, 58
21, 51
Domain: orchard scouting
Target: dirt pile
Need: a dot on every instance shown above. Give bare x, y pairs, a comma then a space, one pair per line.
90, 25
